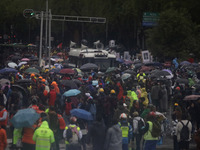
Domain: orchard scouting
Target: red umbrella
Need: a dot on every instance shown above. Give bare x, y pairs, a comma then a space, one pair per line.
67, 71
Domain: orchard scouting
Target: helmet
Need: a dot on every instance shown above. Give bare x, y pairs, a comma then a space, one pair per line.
32, 74
112, 91
178, 88
43, 80
101, 90
40, 77
54, 83
123, 116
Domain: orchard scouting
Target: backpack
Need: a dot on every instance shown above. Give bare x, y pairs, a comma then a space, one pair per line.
184, 135
156, 129
68, 107
141, 126
72, 135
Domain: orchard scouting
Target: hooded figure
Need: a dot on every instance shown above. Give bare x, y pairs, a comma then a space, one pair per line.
113, 139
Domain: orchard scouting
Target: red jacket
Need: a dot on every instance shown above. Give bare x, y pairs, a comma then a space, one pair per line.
3, 139
52, 97
121, 91
28, 134
3, 122
62, 123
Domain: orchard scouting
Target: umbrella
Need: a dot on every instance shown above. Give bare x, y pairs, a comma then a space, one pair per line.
37, 67
130, 71
185, 63
145, 69
72, 92
126, 76
167, 70
78, 82
89, 66
22, 63
191, 97
111, 69
25, 118
69, 83
81, 113
25, 81
55, 70
8, 70
12, 65
25, 59
4, 81
138, 65
67, 71
32, 70
182, 80
160, 73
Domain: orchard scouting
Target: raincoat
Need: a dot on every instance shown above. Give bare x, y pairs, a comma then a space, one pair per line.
43, 137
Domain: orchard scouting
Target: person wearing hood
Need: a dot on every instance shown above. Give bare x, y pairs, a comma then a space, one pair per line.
137, 135
113, 139
44, 137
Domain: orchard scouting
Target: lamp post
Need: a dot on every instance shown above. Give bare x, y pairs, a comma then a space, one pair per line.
46, 30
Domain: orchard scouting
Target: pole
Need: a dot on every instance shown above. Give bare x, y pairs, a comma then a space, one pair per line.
49, 39
41, 31
46, 30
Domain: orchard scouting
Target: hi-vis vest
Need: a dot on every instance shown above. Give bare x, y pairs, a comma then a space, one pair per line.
125, 129
71, 126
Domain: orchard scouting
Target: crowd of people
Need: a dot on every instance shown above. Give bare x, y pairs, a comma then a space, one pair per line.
129, 112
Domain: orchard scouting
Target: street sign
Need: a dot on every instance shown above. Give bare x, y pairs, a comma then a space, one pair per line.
28, 13
150, 19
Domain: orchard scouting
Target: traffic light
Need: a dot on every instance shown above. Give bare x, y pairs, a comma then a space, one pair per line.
28, 13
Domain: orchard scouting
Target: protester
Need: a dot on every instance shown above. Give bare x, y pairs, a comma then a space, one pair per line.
43, 137
126, 131
72, 135
113, 140
183, 132
138, 124
150, 141
96, 134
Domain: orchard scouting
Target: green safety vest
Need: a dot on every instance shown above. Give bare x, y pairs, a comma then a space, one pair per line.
43, 137
125, 130
147, 135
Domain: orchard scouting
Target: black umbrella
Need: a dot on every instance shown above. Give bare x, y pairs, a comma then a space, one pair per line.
161, 73
25, 81
89, 66
130, 72
69, 83
77, 82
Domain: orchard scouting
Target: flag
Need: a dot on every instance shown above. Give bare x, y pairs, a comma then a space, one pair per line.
60, 46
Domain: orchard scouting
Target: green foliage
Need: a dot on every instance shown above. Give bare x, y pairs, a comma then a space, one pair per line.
174, 35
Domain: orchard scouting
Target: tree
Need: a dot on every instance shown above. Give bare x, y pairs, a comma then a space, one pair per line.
173, 36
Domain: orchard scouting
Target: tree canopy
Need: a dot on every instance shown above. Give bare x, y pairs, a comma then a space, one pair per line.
176, 34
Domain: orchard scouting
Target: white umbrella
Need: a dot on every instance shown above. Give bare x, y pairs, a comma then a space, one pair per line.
12, 65
22, 63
